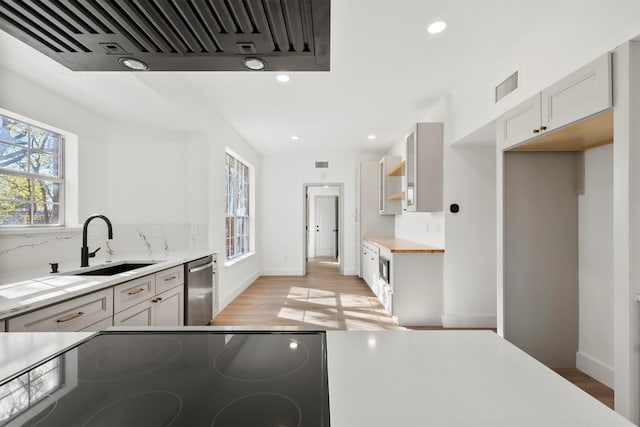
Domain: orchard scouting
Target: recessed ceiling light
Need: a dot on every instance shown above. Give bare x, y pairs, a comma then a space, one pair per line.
282, 78
255, 64
371, 136
437, 27
295, 137
134, 64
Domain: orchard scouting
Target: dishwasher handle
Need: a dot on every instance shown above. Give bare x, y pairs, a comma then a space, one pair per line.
202, 267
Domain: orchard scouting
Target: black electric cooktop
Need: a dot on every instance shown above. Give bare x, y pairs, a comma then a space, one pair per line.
176, 379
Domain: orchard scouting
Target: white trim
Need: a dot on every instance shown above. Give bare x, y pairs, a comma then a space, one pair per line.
595, 368
468, 320
281, 272
226, 300
233, 261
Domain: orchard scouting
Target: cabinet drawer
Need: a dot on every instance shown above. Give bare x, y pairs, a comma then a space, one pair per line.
100, 326
131, 293
170, 278
68, 316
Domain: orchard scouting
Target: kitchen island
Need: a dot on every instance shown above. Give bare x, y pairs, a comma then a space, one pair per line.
415, 378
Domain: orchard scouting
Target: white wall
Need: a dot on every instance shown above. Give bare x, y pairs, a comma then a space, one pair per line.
282, 180
470, 240
595, 219
163, 189
543, 58
313, 193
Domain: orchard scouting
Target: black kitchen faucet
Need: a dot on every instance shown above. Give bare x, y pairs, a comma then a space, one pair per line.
84, 251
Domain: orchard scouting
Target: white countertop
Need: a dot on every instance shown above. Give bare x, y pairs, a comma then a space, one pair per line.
411, 378
25, 295
450, 378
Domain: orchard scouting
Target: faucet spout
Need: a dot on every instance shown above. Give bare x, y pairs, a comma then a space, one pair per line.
84, 251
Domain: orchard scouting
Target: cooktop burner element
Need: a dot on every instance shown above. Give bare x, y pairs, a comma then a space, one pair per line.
117, 361
152, 408
270, 408
260, 357
175, 379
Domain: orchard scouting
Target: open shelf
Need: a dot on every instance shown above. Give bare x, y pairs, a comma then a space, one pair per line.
397, 196
397, 170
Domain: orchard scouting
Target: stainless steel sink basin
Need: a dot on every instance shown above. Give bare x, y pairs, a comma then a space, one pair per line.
113, 269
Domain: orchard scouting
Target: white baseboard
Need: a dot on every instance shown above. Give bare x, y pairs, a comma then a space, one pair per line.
595, 368
281, 272
224, 301
469, 321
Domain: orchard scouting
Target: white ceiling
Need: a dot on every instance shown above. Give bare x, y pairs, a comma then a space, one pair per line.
386, 71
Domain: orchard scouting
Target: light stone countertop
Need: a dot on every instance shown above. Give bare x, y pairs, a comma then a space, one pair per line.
39, 291
409, 378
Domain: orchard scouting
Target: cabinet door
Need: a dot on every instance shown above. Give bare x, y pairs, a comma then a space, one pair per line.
579, 95
2, 326
519, 124
409, 203
134, 292
169, 308
138, 315
67, 316
382, 193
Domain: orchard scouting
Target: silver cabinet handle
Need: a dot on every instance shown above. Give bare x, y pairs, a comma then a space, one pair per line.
202, 267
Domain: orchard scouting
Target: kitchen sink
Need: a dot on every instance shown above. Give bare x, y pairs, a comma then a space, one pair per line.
111, 270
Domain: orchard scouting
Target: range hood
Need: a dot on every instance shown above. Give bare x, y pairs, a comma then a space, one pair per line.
174, 35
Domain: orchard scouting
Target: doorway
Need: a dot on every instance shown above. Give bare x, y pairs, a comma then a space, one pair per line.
322, 231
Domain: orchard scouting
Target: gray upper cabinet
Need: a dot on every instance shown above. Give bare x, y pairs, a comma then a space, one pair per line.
423, 168
581, 94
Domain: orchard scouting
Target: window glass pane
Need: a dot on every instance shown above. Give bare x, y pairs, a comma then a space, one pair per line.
44, 140
44, 164
14, 403
46, 192
46, 214
13, 131
15, 200
12, 157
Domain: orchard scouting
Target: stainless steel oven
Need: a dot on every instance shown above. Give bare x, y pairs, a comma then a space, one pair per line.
384, 271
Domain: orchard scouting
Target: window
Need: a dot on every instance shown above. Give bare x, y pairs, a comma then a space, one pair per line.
31, 178
238, 220
24, 392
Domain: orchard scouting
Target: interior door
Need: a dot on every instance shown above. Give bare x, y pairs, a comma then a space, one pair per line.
326, 226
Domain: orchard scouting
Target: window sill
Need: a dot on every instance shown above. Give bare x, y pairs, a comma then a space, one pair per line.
28, 231
237, 260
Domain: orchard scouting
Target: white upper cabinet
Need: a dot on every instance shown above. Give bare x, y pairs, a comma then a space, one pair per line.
390, 185
520, 123
424, 168
579, 95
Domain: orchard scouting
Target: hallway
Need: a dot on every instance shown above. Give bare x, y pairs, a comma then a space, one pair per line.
320, 300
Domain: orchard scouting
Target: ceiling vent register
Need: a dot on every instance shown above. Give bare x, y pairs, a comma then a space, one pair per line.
174, 35
507, 86
322, 165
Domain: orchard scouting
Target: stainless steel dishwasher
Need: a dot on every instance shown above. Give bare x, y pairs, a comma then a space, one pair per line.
199, 291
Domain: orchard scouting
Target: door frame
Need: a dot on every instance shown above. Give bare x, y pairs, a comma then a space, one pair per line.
305, 223
336, 249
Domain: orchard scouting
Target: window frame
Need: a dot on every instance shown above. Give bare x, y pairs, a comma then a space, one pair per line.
232, 228
32, 177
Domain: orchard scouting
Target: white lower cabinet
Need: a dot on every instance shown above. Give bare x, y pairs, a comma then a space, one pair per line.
169, 308
165, 309
100, 326
68, 316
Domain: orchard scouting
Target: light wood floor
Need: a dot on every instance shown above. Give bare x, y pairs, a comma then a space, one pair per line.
320, 300
325, 300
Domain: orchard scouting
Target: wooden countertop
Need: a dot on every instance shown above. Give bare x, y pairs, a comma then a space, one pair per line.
403, 246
